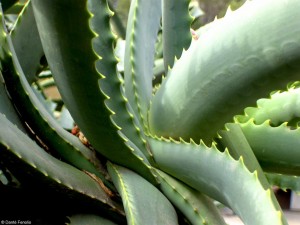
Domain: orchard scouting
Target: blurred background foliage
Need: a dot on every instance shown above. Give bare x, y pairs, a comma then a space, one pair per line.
213, 8
209, 9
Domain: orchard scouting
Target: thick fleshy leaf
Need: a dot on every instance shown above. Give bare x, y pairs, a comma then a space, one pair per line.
280, 107
239, 59
144, 204
176, 25
284, 182
82, 58
234, 140
276, 148
198, 208
7, 108
32, 165
40, 120
215, 174
139, 54
27, 43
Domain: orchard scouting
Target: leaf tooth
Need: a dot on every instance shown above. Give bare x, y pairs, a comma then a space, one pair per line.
214, 145
218, 136
202, 144
4, 143
226, 127
58, 181
181, 140
104, 94
192, 142
45, 173
165, 139
33, 165
215, 19
16, 153
226, 152
174, 140
71, 188
228, 11
153, 136
284, 124
241, 160
267, 122
255, 173
294, 85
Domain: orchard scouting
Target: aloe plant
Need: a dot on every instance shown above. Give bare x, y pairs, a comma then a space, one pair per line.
221, 125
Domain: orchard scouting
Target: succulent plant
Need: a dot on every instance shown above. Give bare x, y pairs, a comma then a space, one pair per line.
157, 135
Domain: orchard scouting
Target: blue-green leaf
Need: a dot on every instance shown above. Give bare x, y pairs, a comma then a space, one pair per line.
139, 54
215, 174
82, 60
144, 204
236, 61
176, 23
198, 208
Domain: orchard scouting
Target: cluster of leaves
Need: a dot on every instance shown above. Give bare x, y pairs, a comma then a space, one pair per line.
153, 129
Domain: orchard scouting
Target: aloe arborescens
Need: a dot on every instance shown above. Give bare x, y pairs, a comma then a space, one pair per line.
158, 154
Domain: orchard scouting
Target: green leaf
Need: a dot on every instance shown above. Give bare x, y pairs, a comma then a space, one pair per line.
284, 182
40, 121
112, 87
80, 59
139, 54
65, 119
7, 107
215, 174
198, 208
237, 59
144, 204
117, 22
234, 140
31, 164
27, 43
176, 23
276, 148
280, 107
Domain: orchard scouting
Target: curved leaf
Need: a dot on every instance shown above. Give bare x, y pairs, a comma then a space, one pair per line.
284, 182
176, 25
144, 204
117, 22
27, 43
139, 54
39, 119
215, 174
238, 58
276, 148
234, 140
280, 107
29, 163
79, 60
198, 208
7, 108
